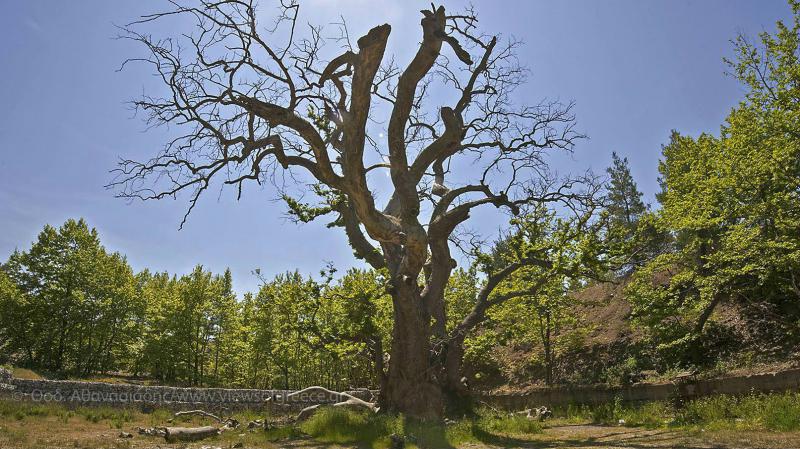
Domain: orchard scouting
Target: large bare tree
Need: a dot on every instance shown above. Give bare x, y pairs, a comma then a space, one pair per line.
261, 103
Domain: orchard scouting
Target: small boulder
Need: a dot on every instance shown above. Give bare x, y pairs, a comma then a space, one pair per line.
397, 441
543, 413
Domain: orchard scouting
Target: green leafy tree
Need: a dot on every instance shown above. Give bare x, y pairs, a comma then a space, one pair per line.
76, 302
281, 308
158, 356
226, 332
549, 316
303, 331
355, 324
193, 328
732, 202
14, 325
559, 254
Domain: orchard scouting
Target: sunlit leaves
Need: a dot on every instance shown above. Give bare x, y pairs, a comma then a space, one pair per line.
733, 201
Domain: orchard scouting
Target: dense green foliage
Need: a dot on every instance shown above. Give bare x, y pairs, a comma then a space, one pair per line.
304, 332
294, 332
568, 252
733, 204
725, 236
69, 305
70, 308
191, 328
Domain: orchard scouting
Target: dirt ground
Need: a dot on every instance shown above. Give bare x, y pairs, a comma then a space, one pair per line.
607, 437
55, 433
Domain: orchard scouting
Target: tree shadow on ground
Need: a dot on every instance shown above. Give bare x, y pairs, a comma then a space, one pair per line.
616, 438
427, 436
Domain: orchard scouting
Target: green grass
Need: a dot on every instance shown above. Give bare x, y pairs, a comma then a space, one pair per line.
21, 410
758, 412
773, 412
338, 426
116, 416
776, 412
343, 426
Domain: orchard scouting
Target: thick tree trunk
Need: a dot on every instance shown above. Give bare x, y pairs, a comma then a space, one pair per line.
411, 387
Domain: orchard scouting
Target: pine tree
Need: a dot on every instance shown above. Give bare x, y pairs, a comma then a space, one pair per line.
632, 236
625, 205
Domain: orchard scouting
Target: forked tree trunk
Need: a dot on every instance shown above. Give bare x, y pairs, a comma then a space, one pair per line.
411, 387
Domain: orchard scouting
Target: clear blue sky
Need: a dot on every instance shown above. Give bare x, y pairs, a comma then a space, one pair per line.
636, 69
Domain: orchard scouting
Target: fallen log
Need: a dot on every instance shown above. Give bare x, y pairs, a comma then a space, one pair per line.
152, 431
309, 390
176, 434
353, 403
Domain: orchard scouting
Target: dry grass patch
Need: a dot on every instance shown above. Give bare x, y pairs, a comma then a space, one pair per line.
24, 373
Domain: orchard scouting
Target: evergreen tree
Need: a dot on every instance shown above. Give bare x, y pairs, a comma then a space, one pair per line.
632, 236
625, 205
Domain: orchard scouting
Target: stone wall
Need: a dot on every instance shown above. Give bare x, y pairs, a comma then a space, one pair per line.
685, 389
217, 399
5, 380
5, 375
175, 398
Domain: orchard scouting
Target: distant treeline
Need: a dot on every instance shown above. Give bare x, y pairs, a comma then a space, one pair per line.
68, 306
